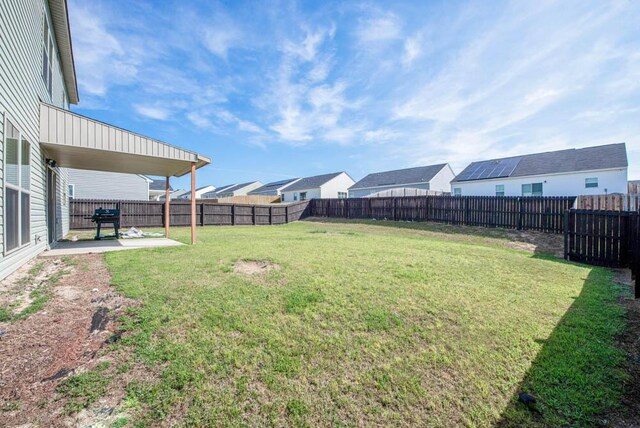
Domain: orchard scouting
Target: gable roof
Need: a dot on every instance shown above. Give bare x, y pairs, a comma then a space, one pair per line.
235, 187
562, 161
273, 186
62, 31
158, 184
421, 174
311, 182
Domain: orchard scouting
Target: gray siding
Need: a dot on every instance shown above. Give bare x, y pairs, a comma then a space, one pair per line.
361, 193
108, 185
21, 90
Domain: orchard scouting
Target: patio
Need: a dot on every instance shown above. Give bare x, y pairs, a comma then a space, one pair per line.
71, 248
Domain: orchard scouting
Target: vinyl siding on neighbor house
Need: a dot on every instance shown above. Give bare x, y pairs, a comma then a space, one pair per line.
108, 185
565, 184
21, 90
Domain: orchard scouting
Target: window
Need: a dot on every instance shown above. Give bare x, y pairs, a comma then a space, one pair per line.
342, 195
47, 55
282, 197
533, 189
591, 182
499, 189
17, 207
457, 191
70, 190
303, 196
295, 196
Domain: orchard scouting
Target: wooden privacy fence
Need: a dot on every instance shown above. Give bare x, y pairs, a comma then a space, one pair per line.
614, 202
151, 213
528, 213
604, 238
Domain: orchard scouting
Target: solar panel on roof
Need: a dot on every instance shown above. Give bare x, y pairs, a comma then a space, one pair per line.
490, 169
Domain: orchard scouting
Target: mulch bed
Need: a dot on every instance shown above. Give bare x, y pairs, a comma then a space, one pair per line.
62, 339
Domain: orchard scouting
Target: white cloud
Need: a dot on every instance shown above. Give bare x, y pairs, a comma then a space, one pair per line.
152, 112
412, 49
379, 27
100, 58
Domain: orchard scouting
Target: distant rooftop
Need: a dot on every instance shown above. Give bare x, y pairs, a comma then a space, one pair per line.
311, 182
420, 174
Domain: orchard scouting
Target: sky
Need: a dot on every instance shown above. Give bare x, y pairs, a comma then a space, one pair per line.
270, 90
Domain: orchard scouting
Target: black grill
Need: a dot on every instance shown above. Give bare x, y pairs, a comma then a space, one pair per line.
106, 216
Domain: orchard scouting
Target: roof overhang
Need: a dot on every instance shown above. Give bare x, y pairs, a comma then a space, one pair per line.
60, 23
76, 141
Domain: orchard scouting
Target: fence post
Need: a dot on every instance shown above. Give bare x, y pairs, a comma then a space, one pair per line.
202, 214
566, 235
519, 202
233, 214
395, 216
286, 214
270, 218
253, 214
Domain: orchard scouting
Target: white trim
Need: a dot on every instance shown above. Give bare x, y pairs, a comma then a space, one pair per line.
5, 184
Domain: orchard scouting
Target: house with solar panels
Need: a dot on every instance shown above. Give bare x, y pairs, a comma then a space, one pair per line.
334, 185
430, 177
594, 170
274, 188
230, 190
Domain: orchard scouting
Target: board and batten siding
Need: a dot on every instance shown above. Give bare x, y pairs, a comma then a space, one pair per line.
22, 88
108, 185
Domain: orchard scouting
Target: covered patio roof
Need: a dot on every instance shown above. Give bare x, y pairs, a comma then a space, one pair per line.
76, 141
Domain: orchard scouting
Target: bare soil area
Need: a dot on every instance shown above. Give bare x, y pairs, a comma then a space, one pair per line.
254, 267
61, 339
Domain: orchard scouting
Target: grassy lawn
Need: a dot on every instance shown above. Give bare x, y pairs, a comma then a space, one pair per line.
366, 325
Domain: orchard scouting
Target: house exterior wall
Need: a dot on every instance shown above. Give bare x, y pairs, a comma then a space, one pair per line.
361, 193
573, 184
442, 180
294, 196
21, 89
341, 183
108, 185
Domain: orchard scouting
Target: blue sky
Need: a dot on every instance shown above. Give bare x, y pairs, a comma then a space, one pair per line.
271, 90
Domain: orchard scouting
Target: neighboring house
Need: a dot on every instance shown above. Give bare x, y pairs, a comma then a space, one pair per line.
175, 194
157, 188
85, 184
231, 190
41, 138
588, 171
634, 187
274, 188
335, 185
431, 177
199, 192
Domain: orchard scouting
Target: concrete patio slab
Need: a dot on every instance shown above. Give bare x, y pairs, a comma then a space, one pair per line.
69, 248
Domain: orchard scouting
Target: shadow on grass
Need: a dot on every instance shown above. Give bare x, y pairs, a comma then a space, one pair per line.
578, 374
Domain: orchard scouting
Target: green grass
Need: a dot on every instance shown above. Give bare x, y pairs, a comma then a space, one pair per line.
366, 325
84, 389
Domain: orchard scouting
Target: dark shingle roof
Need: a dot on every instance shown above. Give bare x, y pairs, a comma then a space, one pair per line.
571, 160
158, 184
311, 182
272, 187
421, 174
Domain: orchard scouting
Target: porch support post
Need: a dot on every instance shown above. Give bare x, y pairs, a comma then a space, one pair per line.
166, 207
193, 202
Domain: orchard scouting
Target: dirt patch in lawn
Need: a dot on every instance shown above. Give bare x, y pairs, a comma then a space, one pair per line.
628, 414
254, 267
62, 339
